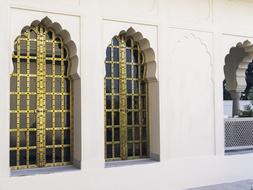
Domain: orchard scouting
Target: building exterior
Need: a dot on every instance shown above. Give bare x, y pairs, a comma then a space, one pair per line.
158, 62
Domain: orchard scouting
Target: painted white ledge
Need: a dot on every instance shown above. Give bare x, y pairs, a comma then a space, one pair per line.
38, 171
123, 163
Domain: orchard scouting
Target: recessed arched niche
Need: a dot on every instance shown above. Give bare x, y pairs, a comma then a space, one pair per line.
45, 120
131, 99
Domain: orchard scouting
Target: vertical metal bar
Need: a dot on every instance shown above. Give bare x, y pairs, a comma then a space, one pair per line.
123, 115
112, 94
18, 100
53, 98
71, 88
132, 94
41, 98
105, 127
62, 105
147, 113
28, 99
140, 93
53, 108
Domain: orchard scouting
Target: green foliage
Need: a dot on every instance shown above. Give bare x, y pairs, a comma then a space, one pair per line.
248, 109
247, 112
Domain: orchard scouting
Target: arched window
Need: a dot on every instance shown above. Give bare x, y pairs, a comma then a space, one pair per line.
126, 98
247, 93
238, 110
40, 101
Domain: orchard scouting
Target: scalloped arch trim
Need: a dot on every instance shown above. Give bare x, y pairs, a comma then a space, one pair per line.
236, 64
66, 38
145, 48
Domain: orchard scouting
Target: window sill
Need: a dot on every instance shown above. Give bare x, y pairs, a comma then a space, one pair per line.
123, 163
38, 171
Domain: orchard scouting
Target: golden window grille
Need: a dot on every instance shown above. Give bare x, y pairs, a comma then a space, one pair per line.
126, 110
41, 123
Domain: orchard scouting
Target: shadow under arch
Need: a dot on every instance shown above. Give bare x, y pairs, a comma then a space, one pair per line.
153, 88
73, 60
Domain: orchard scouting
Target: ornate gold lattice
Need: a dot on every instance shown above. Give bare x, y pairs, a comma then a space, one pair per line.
126, 126
40, 101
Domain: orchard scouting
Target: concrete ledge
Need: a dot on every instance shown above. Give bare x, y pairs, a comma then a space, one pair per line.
121, 163
46, 170
239, 185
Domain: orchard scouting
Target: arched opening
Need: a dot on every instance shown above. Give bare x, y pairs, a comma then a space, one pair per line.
246, 95
128, 120
42, 97
237, 96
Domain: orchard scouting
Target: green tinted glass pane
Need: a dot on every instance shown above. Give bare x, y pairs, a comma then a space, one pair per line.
129, 102
116, 134
58, 137
116, 70
108, 86
49, 137
22, 157
67, 136
109, 135
116, 86
108, 118
117, 150
130, 149
129, 134
109, 151
13, 120
22, 138
116, 118
128, 55
58, 155
108, 54
49, 155
13, 139
13, 158
116, 102
32, 138
129, 118
137, 133
108, 102
137, 149
129, 86
144, 149
116, 54
32, 156
66, 154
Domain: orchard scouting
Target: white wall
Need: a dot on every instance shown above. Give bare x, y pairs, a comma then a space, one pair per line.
190, 39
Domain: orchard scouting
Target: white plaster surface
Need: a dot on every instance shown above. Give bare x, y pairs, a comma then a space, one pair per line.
190, 40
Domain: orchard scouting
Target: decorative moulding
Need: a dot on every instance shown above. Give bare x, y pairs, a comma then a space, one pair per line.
236, 64
66, 38
147, 51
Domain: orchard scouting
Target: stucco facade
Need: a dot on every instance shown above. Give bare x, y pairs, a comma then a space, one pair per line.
190, 39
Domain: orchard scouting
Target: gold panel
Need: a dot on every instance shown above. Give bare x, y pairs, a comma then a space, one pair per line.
41, 123
126, 110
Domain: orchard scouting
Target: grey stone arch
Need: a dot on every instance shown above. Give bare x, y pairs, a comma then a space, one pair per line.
236, 64
71, 48
153, 89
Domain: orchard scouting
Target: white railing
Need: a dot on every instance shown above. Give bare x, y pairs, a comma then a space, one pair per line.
238, 135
